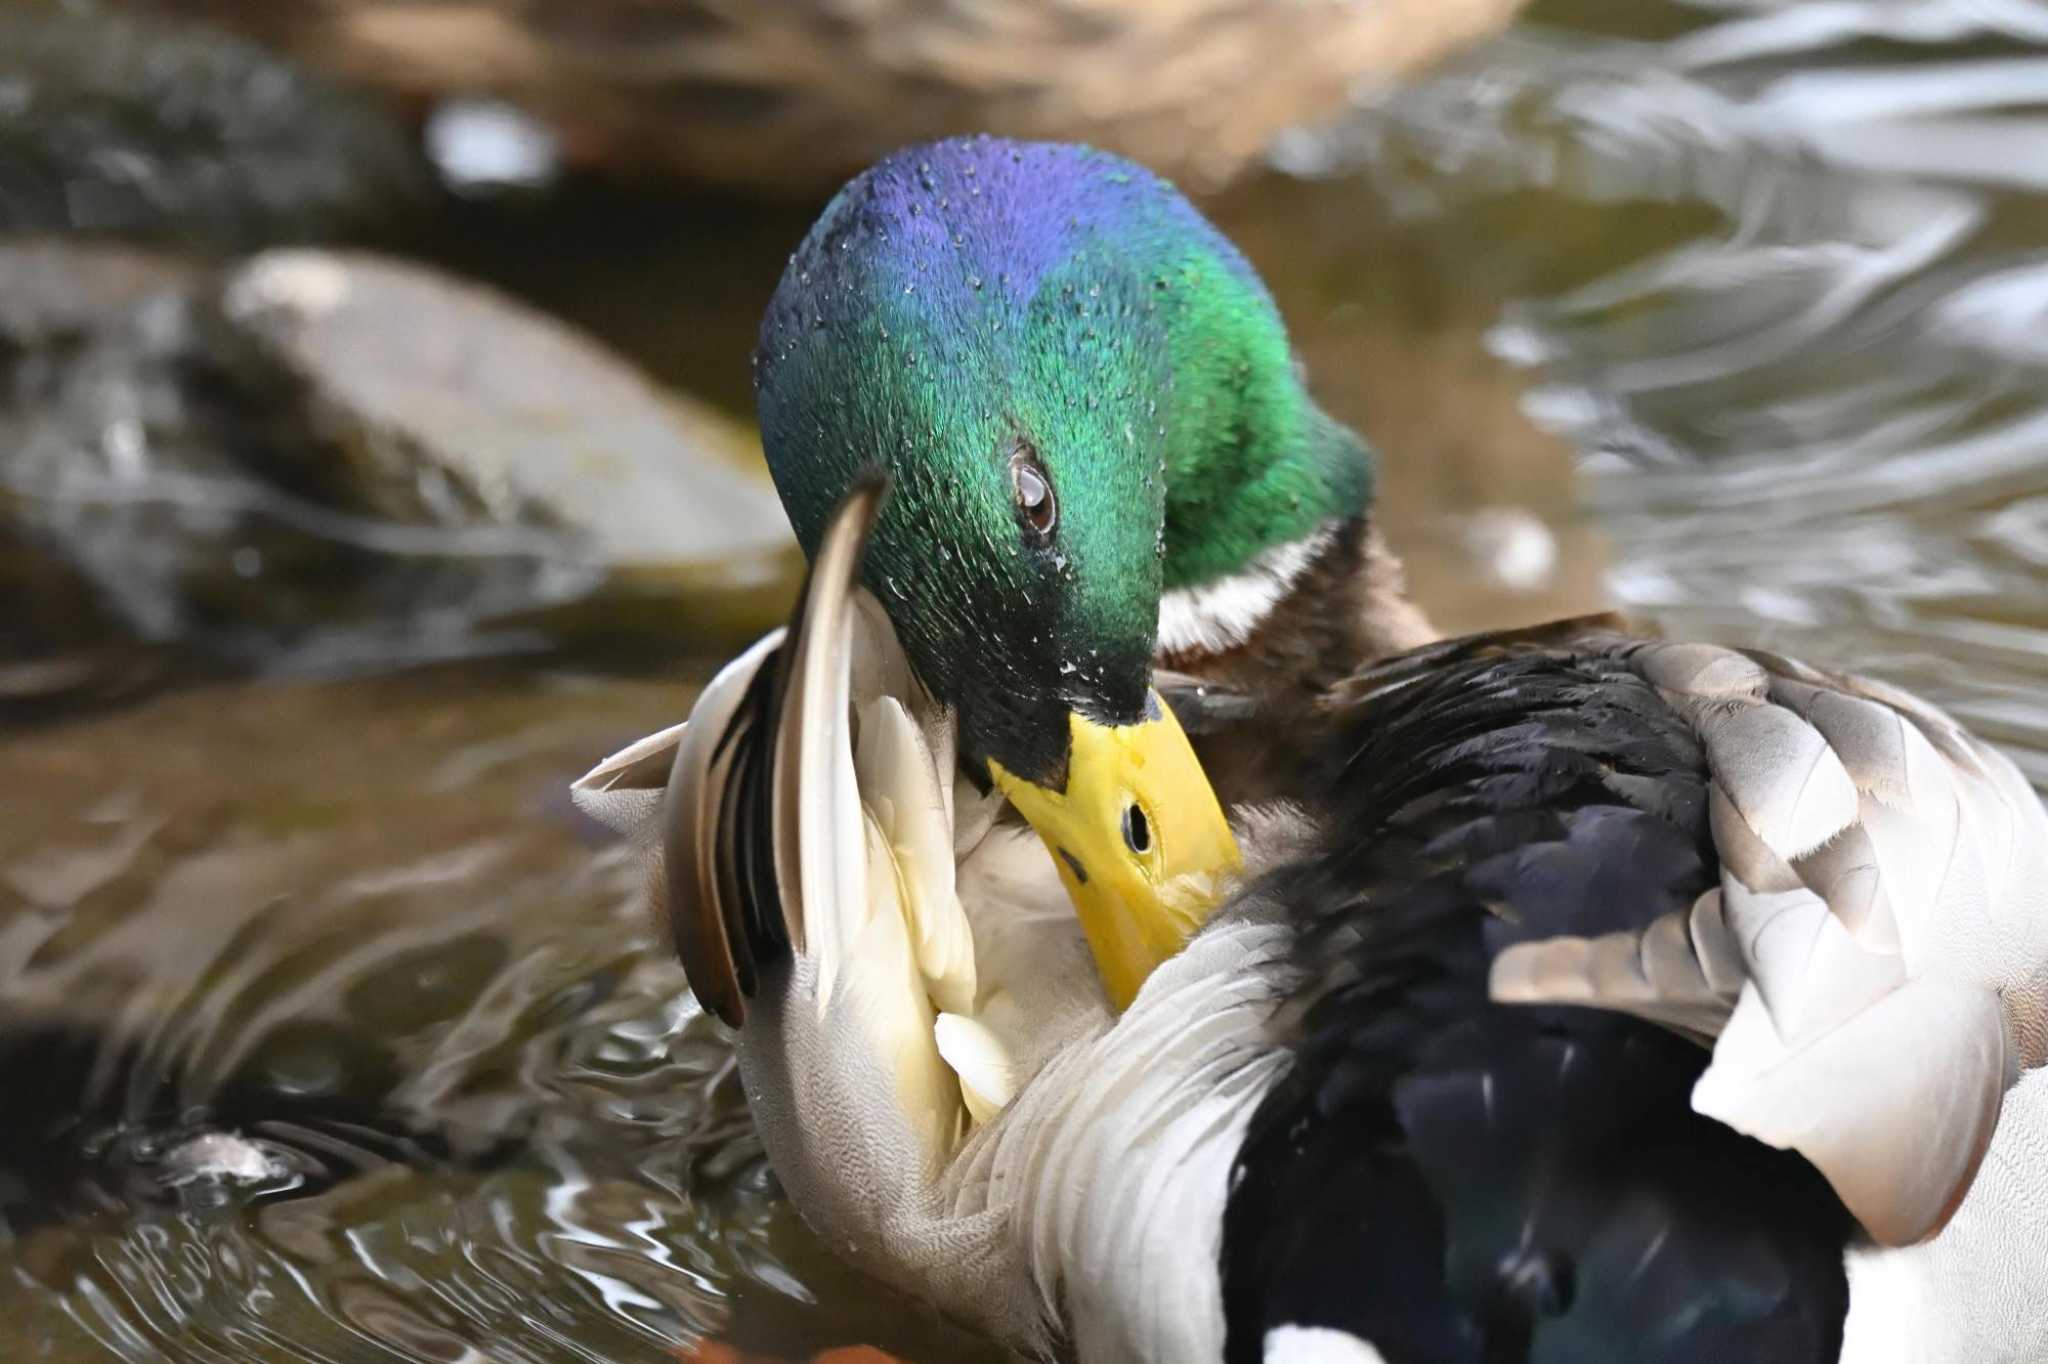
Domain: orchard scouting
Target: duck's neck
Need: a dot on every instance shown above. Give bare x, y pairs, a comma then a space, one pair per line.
1282, 631
1273, 576
1297, 617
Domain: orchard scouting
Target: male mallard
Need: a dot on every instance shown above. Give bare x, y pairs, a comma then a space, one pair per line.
1552, 995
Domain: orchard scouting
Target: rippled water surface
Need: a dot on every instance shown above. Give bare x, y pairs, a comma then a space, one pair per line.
1780, 279
1734, 315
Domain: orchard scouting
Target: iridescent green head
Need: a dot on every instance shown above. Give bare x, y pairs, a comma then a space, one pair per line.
1085, 397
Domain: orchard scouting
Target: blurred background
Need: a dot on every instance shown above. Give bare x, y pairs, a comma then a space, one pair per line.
376, 453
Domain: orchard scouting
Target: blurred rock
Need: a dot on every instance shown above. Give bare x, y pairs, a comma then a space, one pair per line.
59, 646
53, 293
60, 642
117, 125
457, 405
799, 94
318, 460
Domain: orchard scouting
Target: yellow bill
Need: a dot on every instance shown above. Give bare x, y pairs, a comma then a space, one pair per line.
1139, 839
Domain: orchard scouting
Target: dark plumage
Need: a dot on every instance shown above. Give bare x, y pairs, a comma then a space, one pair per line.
1455, 1180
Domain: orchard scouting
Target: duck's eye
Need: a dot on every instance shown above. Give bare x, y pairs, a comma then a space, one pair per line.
1037, 508
1137, 829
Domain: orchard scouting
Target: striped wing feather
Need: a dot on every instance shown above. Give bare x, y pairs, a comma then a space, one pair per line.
1869, 969
750, 807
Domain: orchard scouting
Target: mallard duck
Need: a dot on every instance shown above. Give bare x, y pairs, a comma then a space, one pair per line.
1146, 942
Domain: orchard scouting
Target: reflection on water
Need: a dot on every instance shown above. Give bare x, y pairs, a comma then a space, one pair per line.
330, 1032
1817, 420
333, 1032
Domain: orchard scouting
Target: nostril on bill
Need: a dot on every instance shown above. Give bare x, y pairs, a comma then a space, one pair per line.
1137, 829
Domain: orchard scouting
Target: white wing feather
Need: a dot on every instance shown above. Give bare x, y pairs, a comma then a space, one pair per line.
1877, 954
900, 784
623, 792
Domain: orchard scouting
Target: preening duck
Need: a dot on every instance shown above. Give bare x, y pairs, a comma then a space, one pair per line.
1146, 941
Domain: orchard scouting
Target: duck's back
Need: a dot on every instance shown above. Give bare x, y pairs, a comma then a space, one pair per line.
1451, 1179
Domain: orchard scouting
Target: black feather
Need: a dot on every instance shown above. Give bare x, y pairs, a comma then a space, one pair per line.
1453, 1180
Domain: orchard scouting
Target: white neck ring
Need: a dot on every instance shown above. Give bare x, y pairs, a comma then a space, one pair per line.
1212, 617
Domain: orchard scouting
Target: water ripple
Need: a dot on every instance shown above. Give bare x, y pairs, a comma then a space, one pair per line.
1817, 417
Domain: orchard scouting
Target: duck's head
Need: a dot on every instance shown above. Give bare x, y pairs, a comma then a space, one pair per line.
1085, 399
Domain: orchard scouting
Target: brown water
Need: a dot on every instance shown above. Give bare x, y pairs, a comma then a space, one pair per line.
1732, 315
